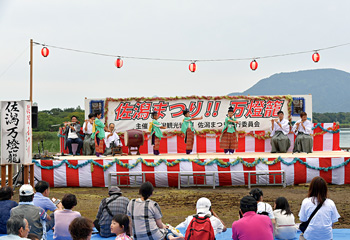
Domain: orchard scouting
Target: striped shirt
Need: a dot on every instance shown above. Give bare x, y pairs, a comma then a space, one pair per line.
143, 216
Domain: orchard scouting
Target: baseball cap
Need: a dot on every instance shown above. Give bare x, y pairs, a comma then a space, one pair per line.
203, 205
26, 190
114, 190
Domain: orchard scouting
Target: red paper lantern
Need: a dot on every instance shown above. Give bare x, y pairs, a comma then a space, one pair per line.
316, 57
192, 67
253, 65
119, 63
45, 51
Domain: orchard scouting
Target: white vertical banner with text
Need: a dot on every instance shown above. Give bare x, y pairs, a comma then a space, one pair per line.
16, 132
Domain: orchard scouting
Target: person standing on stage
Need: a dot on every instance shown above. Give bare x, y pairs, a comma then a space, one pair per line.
303, 128
280, 142
188, 129
229, 136
88, 144
156, 133
98, 133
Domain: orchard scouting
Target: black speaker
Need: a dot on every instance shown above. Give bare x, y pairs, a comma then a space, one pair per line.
34, 116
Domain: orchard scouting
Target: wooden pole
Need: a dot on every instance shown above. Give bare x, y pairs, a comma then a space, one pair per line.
31, 71
26, 173
9, 175
3, 175
31, 167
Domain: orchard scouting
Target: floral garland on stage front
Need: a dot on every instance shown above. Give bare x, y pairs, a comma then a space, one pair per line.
211, 162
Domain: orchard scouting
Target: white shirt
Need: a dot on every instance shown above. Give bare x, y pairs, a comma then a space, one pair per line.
320, 226
215, 223
285, 225
112, 138
89, 128
71, 134
284, 128
265, 207
308, 127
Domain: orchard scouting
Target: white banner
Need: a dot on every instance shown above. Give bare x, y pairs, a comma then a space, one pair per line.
16, 132
253, 113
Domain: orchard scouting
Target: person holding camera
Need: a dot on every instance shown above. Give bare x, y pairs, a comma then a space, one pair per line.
41, 199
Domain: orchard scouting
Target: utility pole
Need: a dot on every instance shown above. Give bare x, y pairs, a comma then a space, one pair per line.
31, 71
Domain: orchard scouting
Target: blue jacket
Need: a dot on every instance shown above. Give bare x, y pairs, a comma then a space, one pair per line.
5, 209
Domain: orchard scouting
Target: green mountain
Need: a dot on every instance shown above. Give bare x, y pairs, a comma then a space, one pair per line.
329, 88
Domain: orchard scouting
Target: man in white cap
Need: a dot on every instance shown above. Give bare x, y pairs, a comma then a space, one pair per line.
204, 210
109, 207
35, 216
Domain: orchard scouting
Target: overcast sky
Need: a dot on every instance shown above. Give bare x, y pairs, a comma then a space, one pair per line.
183, 29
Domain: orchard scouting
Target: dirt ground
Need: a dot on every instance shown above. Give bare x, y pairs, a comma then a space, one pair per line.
176, 204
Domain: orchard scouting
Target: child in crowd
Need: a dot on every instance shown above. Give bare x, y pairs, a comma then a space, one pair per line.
120, 226
285, 223
263, 207
188, 129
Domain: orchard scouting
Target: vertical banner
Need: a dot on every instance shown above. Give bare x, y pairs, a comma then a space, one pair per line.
16, 132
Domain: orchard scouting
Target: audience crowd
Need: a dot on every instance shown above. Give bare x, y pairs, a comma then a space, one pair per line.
141, 218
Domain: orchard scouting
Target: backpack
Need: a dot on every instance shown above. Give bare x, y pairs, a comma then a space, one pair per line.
264, 212
200, 228
105, 205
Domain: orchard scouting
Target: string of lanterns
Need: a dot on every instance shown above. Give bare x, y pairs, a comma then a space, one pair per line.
193, 67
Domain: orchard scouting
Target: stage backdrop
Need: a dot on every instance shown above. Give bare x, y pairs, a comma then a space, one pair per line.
254, 113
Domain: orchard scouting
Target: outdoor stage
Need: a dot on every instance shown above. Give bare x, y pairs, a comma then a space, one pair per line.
90, 171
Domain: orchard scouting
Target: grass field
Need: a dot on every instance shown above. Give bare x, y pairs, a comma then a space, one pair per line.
176, 204
50, 139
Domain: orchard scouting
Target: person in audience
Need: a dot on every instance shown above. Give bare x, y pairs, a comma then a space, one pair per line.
188, 130
263, 208
6, 204
320, 226
285, 224
33, 236
146, 217
120, 226
110, 137
156, 133
251, 225
64, 217
204, 209
17, 228
280, 142
303, 128
81, 228
229, 136
41, 199
88, 143
109, 207
98, 134
72, 135
36, 216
